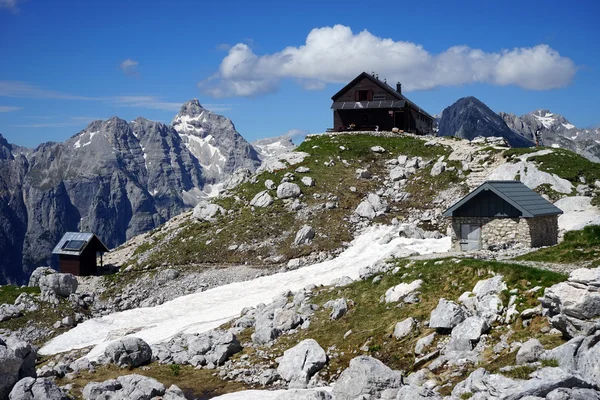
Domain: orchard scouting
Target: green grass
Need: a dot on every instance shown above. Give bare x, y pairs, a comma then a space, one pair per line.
520, 372
9, 293
372, 322
269, 232
564, 163
577, 246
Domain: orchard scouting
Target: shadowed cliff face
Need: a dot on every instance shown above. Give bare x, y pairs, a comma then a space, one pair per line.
469, 118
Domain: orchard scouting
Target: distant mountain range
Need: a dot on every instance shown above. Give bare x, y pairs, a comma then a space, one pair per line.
469, 117
114, 178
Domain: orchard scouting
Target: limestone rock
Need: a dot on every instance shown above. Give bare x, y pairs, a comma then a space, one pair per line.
306, 394
269, 184
8, 311
36, 389
377, 149
301, 362
262, 199
404, 328
365, 378
446, 315
371, 207
34, 279
398, 292
127, 387
339, 307
288, 190
60, 284
206, 211
308, 181
9, 369
530, 351
304, 235
128, 352
438, 168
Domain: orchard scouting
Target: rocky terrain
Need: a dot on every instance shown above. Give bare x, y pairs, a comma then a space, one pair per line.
363, 209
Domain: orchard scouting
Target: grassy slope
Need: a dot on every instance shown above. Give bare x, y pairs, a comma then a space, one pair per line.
577, 246
270, 231
372, 322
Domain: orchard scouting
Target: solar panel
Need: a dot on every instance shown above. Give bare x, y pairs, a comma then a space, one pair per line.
74, 245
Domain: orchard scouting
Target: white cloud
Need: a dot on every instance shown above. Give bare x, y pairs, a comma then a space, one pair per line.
11, 5
129, 67
152, 102
4, 109
25, 90
336, 55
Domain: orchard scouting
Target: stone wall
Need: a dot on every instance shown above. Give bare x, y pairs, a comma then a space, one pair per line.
531, 232
544, 230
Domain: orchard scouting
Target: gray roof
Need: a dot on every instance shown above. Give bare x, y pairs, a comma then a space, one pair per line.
347, 105
76, 236
516, 194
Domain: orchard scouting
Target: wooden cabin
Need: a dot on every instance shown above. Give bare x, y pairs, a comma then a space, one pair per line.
499, 214
78, 252
368, 104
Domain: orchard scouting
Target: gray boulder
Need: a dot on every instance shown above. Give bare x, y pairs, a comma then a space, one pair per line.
404, 328
424, 342
530, 351
8, 311
301, 362
308, 181
371, 207
36, 389
174, 393
262, 199
466, 334
127, 387
269, 184
10, 364
410, 392
397, 174
60, 284
446, 315
410, 231
365, 379
438, 168
205, 211
304, 235
288, 190
34, 279
26, 352
128, 352
339, 307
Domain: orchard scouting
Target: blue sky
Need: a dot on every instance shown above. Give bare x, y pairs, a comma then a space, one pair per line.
272, 66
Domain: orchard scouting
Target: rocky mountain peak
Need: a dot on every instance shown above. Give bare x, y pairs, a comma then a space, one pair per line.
191, 108
5, 149
469, 117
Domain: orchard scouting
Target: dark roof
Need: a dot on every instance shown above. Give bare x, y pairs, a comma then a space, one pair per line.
346, 105
384, 86
516, 194
74, 243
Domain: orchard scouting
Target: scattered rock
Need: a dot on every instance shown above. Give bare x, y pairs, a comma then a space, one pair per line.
377, 149
302, 170
438, 168
288, 190
36, 389
304, 235
446, 315
206, 211
34, 280
128, 352
398, 292
262, 199
269, 184
339, 307
301, 362
131, 387
404, 328
466, 334
366, 378
530, 352
308, 181
8, 311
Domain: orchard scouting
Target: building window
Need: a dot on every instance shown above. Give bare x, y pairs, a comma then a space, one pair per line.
363, 95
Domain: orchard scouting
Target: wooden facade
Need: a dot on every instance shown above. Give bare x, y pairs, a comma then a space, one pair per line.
369, 104
78, 253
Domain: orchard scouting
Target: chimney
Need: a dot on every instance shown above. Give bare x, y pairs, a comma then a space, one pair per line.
399, 87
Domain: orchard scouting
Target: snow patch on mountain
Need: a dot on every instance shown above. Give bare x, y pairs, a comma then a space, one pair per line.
200, 312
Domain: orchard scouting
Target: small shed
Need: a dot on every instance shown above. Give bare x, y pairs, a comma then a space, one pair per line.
502, 213
78, 251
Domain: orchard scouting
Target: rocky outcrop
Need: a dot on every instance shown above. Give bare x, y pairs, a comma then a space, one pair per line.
574, 306
62, 285
17, 361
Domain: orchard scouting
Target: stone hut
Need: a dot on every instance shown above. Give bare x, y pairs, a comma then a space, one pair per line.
501, 213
